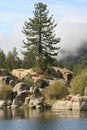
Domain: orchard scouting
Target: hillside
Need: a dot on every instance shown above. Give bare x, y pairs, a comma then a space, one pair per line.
71, 61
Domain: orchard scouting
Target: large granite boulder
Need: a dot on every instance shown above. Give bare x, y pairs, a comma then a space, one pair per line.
62, 105
21, 73
20, 87
77, 103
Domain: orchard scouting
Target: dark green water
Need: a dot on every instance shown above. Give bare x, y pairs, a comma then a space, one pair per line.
47, 120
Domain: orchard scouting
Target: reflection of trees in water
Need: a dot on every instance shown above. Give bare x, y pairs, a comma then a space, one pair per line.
37, 114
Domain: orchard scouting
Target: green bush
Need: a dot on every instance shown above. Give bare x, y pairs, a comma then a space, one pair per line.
5, 91
28, 80
57, 90
78, 83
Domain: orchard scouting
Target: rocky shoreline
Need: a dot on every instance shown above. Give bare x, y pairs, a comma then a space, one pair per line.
25, 95
74, 103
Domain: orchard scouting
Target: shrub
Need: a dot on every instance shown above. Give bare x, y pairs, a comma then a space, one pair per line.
5, 91
28, 80
78, 83
57, 90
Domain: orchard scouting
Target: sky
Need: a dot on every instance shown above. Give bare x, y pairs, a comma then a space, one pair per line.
70, 16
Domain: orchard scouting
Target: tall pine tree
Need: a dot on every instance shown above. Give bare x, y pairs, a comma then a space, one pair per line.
41, 39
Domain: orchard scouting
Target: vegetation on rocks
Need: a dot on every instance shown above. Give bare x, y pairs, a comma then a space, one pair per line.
28, 80
5, 92
79, 83
57, 90
39, 55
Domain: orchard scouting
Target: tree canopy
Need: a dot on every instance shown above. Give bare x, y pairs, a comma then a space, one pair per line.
41, 41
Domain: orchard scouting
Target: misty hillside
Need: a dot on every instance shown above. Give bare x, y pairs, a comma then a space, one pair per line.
79, 59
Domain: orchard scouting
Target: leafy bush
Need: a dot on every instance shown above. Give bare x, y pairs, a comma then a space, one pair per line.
5, 91
57, 90
28, 80
78, 83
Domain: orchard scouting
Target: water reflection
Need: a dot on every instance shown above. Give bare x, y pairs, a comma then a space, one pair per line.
37, 114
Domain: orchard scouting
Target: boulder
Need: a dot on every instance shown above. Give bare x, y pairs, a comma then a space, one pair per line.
21, 73
6, 79
47, 106
36, 103
36, 92
69, 97
12, 83
62, 105
31, 90
53, 73
2, 104
42, 83
15, 104
8, 103
27, 99
77, 103
76, 106
21, 96
20, 87
64, 73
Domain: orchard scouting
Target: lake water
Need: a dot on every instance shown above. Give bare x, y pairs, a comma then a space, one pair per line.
39, 120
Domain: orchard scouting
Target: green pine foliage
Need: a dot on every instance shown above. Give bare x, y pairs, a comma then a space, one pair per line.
40, 35
12, 60
2, 59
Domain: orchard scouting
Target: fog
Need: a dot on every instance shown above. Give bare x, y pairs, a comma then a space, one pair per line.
72, 35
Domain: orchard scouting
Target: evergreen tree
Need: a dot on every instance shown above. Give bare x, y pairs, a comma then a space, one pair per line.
13, 61
40, 36
2, 59
28, 60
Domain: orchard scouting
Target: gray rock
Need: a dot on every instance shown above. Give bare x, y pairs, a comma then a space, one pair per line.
62, 105
42, 83
76, 106
27, 99
36, 92
12, 83
6, 79
31, 90
20, 87
36, 103
15, 104
21, 96
2, 104
77, 103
